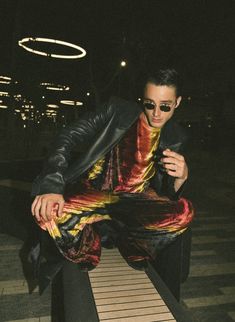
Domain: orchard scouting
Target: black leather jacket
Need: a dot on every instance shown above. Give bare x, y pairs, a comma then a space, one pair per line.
92, 137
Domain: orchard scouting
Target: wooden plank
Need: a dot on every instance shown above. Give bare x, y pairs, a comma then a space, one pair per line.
111, 265
117, 278
129, 299
121, 288
112, 253
124, 293
110, 273
144, 318
113, 260
118, 282
114, 269
131, 305
160, 313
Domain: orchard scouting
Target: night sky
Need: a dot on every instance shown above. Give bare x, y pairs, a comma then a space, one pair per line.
195, 36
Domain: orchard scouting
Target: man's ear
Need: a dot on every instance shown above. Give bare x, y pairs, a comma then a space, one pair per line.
178, 100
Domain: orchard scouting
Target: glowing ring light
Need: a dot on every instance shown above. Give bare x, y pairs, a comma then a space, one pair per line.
53, 41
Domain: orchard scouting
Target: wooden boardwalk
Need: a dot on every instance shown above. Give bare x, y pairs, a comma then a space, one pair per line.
124, 295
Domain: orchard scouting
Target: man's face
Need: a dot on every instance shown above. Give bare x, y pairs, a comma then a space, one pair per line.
160, 96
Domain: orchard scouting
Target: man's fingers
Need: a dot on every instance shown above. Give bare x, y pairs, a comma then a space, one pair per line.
47, 205
171, 166
172, 160
172, 173
37, 209
60, 209
49, 208
34, 204
43, 209
173, 154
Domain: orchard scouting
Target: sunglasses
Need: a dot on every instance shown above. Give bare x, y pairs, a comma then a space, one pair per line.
151, 106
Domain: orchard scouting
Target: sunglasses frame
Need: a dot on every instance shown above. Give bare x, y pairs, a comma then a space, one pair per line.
151, 106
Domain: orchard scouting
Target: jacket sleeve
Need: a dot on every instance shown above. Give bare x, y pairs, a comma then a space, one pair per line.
76, 136
162, 182
168, 188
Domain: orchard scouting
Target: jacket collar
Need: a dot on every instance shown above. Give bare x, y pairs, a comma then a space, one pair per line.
127, 112
172, 136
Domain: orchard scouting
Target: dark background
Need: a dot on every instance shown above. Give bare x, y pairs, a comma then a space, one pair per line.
197, 37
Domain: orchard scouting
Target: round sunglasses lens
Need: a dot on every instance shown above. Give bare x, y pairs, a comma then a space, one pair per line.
149, 106
165, 108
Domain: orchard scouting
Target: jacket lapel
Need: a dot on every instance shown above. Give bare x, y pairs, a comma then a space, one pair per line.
124, 115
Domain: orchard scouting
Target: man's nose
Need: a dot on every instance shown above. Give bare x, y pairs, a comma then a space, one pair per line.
156, 111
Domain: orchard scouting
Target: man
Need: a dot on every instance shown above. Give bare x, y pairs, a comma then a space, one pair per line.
125, 183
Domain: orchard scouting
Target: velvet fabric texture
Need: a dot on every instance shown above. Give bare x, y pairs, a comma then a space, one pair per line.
117, 190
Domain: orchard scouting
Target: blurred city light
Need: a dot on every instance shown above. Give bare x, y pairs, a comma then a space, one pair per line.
55, 87
4, 94
70, 102
52, 106
5, 77
4, 81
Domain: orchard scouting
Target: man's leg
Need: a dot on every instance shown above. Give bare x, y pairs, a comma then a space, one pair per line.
74, 232
172, 263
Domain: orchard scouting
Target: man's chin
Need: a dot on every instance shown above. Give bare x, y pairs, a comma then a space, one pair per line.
157, 125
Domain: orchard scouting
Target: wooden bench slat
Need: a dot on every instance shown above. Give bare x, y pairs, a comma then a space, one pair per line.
114, 269
112, 265
121, 273
122, 287
118, 282
160, 312
116, 278
143, 318
132, 305
123, 293
129, 299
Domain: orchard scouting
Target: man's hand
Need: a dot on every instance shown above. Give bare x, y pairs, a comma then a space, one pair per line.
44, 207
175, 166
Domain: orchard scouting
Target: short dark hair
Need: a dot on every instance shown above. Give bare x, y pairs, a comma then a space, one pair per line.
167, 77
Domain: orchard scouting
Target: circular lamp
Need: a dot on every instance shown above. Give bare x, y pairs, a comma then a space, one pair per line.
81, 54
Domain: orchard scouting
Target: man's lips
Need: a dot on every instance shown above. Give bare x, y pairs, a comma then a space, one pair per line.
156, 120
